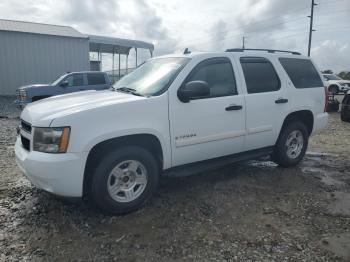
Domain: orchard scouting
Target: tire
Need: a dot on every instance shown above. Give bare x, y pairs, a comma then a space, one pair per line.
282, 154
130, 165
343, 117
333, 106
334, 90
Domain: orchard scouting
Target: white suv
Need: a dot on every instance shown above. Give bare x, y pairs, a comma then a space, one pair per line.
174, 115
336, 84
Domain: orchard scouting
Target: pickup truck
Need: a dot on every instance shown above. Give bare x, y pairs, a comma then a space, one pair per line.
174, 115
68, 83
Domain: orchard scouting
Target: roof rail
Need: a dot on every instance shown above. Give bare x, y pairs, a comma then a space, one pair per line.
267, 50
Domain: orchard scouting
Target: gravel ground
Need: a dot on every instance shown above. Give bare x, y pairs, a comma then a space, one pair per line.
7, 107
253, 211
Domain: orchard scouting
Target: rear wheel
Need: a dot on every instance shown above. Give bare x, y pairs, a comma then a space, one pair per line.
124, 180
291, 144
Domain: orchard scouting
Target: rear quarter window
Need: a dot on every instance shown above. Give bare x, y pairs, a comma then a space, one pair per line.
96, 79
301, 72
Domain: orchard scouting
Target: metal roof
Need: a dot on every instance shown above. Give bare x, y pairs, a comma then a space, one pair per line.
38, 28
97, 43
105, 44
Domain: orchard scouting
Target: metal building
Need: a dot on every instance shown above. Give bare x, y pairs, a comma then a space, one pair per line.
39, 53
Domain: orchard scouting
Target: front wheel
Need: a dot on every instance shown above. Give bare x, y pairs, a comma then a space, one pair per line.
291, 144
334, 90
124, 180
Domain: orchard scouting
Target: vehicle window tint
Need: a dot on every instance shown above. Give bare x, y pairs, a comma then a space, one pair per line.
75, 80
301, 72
218, 73
96, 79
260, 76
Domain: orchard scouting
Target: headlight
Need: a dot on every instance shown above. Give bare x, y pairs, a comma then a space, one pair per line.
342, 84
51, 139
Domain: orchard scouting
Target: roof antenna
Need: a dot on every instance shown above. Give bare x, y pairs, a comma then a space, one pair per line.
186, 52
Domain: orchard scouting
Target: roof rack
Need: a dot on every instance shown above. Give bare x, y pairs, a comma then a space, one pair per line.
267, 50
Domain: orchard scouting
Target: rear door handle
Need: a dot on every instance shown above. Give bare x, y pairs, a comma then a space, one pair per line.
233, 107
281, 101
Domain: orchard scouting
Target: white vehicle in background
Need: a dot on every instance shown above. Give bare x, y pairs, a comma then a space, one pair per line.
336, 85
176, 115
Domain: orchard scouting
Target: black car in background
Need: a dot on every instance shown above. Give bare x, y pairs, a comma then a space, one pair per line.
345, 108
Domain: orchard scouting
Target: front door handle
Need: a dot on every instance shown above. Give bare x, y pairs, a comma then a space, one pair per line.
233, 107
281, 101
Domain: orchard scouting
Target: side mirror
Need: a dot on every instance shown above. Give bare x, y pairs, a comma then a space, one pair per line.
64, 83
193, 89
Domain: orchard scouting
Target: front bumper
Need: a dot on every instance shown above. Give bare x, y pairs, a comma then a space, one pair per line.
59, 174
20, 103
344, 88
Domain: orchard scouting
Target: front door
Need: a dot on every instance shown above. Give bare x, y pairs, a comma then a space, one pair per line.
211, 126
73, 83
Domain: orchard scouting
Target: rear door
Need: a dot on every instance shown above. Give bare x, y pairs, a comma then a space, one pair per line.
97, 81
212, 126
266, 101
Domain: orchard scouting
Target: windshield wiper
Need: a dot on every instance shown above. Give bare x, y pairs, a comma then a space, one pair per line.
127, 90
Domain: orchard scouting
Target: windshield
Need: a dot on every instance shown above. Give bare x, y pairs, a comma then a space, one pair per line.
54, 83
332, 77
152, 77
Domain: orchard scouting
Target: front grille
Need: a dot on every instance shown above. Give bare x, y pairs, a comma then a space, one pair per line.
26, 126
22, 95
25, 143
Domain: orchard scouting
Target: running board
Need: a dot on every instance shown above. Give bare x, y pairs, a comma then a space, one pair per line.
206, 165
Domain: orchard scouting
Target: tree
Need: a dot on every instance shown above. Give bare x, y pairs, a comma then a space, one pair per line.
327, 71
345, 75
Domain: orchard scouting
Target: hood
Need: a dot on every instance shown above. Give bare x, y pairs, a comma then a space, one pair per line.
41, 113
34, 86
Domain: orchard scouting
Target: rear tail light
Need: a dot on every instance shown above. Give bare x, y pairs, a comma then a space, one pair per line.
326, 95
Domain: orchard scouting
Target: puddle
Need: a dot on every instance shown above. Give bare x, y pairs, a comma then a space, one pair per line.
326, 177
262, 163
310, 153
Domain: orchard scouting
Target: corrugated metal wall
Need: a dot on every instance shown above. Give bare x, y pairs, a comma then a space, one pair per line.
27, 58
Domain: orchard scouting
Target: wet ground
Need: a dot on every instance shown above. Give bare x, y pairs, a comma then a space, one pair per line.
254, 211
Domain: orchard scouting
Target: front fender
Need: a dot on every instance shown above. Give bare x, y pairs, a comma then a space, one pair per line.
140, 116
40, 91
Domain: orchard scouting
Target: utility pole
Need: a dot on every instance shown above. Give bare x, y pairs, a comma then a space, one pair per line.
243, 42
311, 25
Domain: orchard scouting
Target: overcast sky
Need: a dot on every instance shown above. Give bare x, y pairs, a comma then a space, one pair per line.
203, 25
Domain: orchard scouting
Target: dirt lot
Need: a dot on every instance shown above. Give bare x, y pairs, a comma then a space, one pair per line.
253, 211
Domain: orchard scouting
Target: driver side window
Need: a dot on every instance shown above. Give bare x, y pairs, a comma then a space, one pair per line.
75, 80
218, 73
